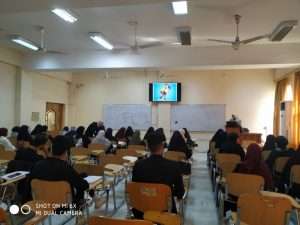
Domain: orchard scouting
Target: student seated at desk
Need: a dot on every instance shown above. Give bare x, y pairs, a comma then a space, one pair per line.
14, 132
178, 143
120, 135
285, 178
35, 150
101, 139
148, 132
188, 138
280, 151
157, 169
270, 144
56, 168
109, 134
129, 132
232, 146
78, 136
255, 165
4, 141
161, 132
136, 138
219, 138
38, 129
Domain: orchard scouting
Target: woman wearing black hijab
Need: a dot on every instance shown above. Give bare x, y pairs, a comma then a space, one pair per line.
120, 135
109, 134
270, 143
148, 132
129, 132
161, 132
79, 133
90, 132
178, 143
37, 130
219, 138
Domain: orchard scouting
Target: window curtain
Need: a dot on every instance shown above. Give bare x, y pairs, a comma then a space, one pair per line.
295, 121
279, 97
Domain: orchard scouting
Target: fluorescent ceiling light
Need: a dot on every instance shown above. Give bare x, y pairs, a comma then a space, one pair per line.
65, 15
97, 37
25, 43
180, 7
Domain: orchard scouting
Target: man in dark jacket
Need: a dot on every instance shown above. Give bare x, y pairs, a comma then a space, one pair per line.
157, 169
232, 146
56, 168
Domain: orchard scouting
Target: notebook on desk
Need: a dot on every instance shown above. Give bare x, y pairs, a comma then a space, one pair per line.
93, 179
14, 175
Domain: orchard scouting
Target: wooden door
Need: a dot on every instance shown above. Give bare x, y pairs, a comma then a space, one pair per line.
54, 116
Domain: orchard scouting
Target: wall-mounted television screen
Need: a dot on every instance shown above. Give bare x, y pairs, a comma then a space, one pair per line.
165, 92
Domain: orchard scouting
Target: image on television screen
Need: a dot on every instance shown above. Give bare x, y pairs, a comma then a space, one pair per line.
165, 92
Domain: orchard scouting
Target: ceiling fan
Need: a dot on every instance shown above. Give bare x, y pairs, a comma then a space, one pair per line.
237, 42
43, 48
136, 46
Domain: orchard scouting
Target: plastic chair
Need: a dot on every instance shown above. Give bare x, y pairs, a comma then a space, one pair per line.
238, 184
280, 164
265, 154
51, 191
148, 197
294, 203
295, 175
225, 164
163, 218
104, 186
112, 221
278, 169
57, 193
255, 209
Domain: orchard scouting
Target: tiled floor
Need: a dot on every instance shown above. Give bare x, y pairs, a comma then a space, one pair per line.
200, 207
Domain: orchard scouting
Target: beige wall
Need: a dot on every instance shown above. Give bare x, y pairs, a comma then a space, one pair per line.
38, 89
246, 93
23, 92
90, 91
8, 79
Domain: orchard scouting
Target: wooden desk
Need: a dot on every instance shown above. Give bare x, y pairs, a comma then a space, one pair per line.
3, 162
255, 137
131, 159
142, 152
79, 157
97, 152
12, 180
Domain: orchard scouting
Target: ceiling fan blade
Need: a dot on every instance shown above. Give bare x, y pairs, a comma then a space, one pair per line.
247, 41
151, 45
221, 41
55, 52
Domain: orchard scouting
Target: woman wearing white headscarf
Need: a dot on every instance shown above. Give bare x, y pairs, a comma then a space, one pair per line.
101, 139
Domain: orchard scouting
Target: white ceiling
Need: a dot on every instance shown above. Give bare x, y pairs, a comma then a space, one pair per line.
207, 18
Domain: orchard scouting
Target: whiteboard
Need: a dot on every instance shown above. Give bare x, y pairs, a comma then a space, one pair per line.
135, 115
204, 117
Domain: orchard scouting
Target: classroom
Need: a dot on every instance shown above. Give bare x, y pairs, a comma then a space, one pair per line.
144, 112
